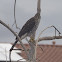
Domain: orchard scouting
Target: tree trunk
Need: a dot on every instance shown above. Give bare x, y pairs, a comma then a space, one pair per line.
32, 52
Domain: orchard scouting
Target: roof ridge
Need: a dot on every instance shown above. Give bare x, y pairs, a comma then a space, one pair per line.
52, 45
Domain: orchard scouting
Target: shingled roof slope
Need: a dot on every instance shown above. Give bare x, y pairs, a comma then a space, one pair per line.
50, 53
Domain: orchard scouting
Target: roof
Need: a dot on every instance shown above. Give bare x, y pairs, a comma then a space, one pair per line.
50, 53
4, 53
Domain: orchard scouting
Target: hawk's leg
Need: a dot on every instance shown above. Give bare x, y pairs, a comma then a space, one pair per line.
32, 39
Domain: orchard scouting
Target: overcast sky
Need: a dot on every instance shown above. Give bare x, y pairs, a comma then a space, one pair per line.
51, 14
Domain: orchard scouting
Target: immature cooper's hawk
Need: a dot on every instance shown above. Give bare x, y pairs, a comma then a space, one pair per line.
29, 29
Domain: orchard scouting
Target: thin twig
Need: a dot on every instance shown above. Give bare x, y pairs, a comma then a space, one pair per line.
6, 54
15, 16
42, 32
10, 56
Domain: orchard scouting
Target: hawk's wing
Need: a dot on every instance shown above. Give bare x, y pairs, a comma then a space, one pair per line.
27, 27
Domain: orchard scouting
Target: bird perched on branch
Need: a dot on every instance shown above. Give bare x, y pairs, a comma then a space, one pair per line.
30, 27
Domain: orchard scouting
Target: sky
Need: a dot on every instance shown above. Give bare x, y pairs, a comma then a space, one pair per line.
51, 14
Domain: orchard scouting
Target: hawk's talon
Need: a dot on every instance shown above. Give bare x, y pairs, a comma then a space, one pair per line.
32, 40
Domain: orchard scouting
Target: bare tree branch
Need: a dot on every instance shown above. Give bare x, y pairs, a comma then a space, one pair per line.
42, 32
15, 35
15, 16
49, 38
38, 6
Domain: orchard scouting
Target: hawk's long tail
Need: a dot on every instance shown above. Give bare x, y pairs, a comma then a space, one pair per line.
13, 45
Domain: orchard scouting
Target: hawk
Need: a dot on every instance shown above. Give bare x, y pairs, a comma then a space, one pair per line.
30, 27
